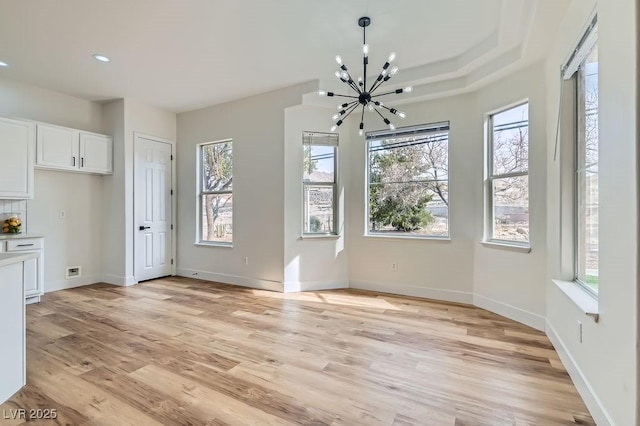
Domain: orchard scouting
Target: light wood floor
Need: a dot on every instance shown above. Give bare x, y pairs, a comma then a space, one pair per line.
183, 351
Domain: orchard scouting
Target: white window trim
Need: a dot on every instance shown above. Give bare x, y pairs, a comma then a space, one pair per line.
488, 240
591, 39
199, 241
367, 233
577, 291
336, 199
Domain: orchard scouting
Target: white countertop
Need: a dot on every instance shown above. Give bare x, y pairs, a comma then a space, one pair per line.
9, 258
18, 236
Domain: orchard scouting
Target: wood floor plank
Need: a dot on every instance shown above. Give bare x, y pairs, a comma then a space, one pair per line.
181, 351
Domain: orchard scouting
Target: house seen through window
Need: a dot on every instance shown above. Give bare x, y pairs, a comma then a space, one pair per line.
319, 183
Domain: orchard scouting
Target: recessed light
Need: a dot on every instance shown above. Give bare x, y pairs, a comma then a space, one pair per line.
101, 58
3, 64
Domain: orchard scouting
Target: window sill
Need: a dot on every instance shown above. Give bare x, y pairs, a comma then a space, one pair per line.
507, 246
585, 301
213, 245
320, 237
406, 237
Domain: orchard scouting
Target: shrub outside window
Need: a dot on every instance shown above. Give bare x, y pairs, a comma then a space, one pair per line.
408, 182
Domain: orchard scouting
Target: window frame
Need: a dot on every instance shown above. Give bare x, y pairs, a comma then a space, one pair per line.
201, 193
408, 236
334, 185
490, 177
579, 147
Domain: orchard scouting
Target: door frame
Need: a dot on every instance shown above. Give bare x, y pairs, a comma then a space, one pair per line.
174, 198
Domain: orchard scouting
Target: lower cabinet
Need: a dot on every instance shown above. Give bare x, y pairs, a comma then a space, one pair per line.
31, 275
12, 330
33, 268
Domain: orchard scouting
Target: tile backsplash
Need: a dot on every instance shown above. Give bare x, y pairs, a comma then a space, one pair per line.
15, 206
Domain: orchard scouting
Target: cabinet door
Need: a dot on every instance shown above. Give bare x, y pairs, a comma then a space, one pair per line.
31, 278
96, 153
57, 148
12, 330
17, 145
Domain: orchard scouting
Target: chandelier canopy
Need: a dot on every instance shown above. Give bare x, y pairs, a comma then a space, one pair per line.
365, 95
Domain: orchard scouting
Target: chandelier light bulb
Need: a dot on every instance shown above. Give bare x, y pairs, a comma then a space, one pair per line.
338, 74
335, 116
401, 114
370, 106
334, 128
344, 75
365, 50
322, 93
392, 56
391, 126
338, 59
360, 132
393, 71
408, 89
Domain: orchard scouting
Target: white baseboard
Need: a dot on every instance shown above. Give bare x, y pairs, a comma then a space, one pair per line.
56, 285
414, 291
119, 280
591, 400
296, 286
231, 279
525, 317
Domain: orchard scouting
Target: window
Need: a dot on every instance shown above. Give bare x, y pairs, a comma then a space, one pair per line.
586, 178
508, 176
408, 181
579, 153
216, 192
319, 182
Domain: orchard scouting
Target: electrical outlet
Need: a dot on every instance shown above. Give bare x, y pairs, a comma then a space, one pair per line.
245, 260
394, 266
579, 331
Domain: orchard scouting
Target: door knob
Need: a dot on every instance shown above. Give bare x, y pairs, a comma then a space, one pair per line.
142, 228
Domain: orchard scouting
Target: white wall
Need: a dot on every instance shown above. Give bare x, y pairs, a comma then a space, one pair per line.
604, 366
426, 268
76, 240
508, 282
312, 263
256, 125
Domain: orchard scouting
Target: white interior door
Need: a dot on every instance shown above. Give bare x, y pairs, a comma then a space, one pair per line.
152, 206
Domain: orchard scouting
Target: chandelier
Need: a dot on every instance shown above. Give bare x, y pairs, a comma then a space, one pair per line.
366, 95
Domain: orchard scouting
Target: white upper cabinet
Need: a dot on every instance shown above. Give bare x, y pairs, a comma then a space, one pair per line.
58, 147
61, 148
17, 147
96, 153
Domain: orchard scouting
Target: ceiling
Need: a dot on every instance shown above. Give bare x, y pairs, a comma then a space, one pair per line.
184, 55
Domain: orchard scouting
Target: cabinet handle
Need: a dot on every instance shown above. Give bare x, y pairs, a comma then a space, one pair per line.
81, 161
74, 161
24, 245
